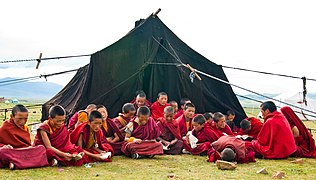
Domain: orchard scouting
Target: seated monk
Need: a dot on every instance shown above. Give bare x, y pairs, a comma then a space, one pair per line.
204, 135
111, 133
230, 116
208, 116
303, 139
275, 140
231, 149
174, 104
170, 133
128, 112
80, 117
185, 120
141, 135
54, 135
158, 107
219, 126
88, 136
250, 126
179, 113
15, 143
140, 100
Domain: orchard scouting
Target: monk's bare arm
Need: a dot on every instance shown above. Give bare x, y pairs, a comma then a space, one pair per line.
49, 146
116, 138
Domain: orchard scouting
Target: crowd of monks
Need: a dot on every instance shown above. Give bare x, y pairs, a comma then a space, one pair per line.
145, 129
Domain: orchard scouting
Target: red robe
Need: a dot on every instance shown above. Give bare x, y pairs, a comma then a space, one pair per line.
147, 133
256, 126
178, 114
157, 110
275, 139
147, 103
183, 126
121, 122
219, 132
19, 139
170, 131
60, 139
305, 142
84, 129
108, 130
205, 136
244, 153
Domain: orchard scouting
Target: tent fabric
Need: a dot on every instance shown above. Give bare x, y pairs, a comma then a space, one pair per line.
138, 62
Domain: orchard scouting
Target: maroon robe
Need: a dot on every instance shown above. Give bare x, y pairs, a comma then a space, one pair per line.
84, 129
243, 150
108, 130
183, 126
157, 109
178, 114
59, 139
256, 126
121, 123
305, 142
169, 132
148, 133
23, 155
275, 139
219, 132
147, 103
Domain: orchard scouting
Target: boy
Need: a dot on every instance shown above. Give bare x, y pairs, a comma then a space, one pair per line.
185, 120
88, 136
128, 112
251, 127
111, 133
80, 117
140, 100
54, 135
219, 126
183, 101
15, 143
230, 116
141, 135
158, 107
174, 104
170, 133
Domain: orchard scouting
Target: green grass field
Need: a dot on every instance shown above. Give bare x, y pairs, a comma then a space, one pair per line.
162, 167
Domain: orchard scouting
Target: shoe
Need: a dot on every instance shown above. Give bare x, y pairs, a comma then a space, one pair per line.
11, 166
53, 162
135, 156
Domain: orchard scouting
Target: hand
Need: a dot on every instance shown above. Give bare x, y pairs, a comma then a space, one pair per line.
138, 141
67, 156
173, 142
7, 146
166, 143
109, 139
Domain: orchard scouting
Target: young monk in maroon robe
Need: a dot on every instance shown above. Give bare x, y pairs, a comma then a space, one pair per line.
275, 139
230, 116
219, 126
179, 113
128, 112
88, 136
170, 133
54, 135
15, 143
204, 135
158, 107
303, 139
141, 135
250, 126
111, 133
140, 100
232, 149
80, 117
185, 120
174, 104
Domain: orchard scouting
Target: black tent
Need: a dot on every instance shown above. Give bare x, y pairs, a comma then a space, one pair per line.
148, 58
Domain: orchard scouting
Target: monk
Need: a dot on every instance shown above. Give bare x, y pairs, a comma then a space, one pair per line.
140, 100
88, 136
141, 135
185, 120
183, 101
230, 116
204, 135
158, 107
170, 133
232, 149
251, 127
219, 126
111, 133
15, 143
128, 112
174, 104
303, 139
275, 140
80, 117
54, 135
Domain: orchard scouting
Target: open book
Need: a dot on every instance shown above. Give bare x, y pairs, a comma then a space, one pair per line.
193, 140
243, 137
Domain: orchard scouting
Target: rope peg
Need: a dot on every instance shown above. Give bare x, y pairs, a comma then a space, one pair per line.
39, 60
193, 71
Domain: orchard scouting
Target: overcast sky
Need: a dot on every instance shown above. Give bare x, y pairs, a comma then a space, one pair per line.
273, 36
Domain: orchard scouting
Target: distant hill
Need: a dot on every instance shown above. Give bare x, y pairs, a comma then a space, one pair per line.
29, 90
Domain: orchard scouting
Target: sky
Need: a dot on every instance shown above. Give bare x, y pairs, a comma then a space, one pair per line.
277, 36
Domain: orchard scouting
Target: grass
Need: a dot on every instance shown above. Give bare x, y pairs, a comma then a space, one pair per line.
160, 167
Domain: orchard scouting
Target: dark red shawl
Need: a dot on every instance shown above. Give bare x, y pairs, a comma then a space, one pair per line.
182, 125
149, 131
256, 126
111, 129
11, 134
157, 110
